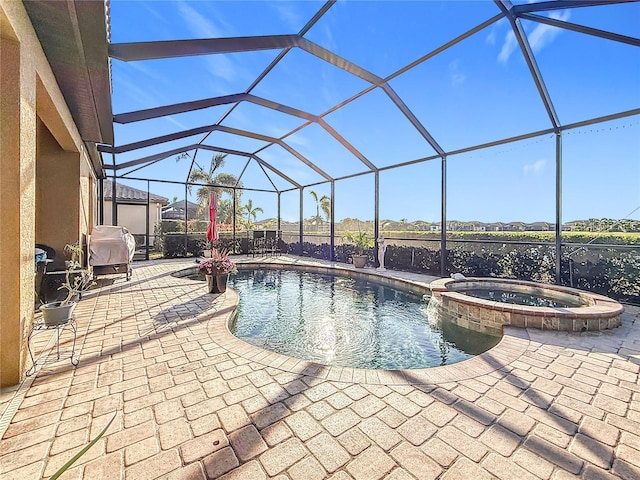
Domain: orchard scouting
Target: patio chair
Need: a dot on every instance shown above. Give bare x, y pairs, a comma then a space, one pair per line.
272, 240
258, 243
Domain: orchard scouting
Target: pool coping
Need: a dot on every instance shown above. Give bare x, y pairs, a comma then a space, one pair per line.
512, 345
598, 312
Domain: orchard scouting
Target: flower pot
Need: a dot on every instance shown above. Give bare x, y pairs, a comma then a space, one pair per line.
217, 283
359, 261
55, 313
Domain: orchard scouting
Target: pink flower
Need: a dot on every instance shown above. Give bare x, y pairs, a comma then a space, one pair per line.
219, 263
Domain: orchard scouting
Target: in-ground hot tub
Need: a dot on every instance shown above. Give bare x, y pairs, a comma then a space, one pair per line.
486, 304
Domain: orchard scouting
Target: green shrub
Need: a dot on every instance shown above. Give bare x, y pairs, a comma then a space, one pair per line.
608, 271
174, 245
169, 226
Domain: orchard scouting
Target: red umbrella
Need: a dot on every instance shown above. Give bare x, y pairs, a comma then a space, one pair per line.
212, 230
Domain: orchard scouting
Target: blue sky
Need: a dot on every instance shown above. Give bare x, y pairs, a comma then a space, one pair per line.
478, 91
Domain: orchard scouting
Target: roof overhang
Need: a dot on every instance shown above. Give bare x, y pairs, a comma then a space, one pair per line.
73, 35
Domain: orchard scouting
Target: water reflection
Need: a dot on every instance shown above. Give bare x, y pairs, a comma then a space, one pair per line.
343, 321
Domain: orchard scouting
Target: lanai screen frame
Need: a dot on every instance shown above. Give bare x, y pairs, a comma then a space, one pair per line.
171, 49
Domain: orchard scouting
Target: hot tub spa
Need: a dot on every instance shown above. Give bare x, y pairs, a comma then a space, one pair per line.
486, 304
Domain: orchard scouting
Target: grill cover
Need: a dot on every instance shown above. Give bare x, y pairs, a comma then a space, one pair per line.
111, 245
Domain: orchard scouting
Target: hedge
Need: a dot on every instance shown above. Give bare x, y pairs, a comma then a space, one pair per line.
608, 271
611, 272
174, 246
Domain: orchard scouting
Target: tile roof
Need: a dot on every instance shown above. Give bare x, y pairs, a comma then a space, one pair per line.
180, 204
125, 193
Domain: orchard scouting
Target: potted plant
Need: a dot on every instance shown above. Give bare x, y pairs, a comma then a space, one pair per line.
217, 269
76, 280
362, 241
75, 254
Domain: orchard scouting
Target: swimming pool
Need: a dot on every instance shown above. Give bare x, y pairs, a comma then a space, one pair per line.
340, 320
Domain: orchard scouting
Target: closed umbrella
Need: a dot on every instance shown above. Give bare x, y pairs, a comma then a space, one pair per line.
212, 229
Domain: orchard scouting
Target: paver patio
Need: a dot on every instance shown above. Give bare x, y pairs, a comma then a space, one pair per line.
192, 402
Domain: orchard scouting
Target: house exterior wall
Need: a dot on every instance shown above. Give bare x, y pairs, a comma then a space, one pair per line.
57, 206
133, 217
38, 139
17, 192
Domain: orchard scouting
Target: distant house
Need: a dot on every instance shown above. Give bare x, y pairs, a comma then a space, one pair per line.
494, 227
539, 226
132, 208
176, 211
514, 227
272, 223
454, 225
466, 227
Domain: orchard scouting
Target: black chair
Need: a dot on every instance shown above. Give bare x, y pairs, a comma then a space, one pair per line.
257, 244
41, 271
272, 240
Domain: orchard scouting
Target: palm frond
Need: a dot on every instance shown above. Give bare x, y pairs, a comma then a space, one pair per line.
199, 175
217, 161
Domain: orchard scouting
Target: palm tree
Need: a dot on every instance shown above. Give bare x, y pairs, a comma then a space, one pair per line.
385, 225
223, 181
225, 209
324, 203
252, 212
325, 206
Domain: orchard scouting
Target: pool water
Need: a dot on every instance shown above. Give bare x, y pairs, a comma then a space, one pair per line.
518, 298
336, 320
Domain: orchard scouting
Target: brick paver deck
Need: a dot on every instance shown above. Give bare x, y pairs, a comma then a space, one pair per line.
192, 402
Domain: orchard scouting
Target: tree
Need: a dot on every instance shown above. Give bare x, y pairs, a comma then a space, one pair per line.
323, 203
225, 209
219, 183
325, 206
251, 212
421, 225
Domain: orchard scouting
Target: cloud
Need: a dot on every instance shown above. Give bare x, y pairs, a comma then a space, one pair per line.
298, 140
508, 47
491, 38
535, 168
153, 11
456, 76
129, 91
200, 25
288, 15
541, 36
171, 119
221, 66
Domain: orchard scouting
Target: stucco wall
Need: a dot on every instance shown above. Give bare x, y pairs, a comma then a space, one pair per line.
34, 207
57, 205
17, 187
133, 217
